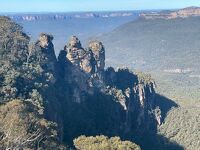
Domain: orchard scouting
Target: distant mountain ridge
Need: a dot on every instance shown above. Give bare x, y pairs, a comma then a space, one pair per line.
164, 14
65, 16
181, 13
170, 46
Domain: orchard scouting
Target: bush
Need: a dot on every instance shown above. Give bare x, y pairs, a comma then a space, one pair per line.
103, 143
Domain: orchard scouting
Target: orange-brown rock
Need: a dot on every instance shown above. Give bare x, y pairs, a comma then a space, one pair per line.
98, 51
182, 13
77, 55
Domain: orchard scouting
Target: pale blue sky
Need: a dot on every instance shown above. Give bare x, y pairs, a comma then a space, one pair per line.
90, 5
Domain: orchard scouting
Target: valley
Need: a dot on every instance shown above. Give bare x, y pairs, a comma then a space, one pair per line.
158, 47
167, 49
72, 24
78, 66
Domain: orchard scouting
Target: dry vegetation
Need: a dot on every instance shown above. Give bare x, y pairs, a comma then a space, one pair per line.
21, 127
103, 143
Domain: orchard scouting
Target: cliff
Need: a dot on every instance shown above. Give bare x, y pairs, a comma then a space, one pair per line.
70, 96
103, 101
68, 16
182, 13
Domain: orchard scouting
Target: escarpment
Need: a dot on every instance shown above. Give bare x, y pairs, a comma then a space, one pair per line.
105, 101
86, 98
71, 95
181, 13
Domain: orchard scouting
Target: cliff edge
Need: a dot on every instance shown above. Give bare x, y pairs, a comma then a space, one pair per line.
181, 13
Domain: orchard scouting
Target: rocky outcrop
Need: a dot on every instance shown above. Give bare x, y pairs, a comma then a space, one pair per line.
87, 78
98, 53
90, 61
45, 41
136, 96
187, 12
78, 56
48, 57
182, 13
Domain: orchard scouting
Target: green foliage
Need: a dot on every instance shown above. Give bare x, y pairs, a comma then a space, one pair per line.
154, 47
158, 45
182, 126
26, 74
13, 41
103, 143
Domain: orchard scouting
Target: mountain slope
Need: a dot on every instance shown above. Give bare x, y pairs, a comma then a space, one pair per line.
62, 29
168, 49
182, 13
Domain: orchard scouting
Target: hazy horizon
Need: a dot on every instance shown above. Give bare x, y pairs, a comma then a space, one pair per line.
62, 6
73, 12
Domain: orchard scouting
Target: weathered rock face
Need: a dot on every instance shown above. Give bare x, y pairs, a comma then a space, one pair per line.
182, 13
190, 11
107, 101
91, 61
78, 63
48, 56
77, 55
98, 53
64, 16
45, 40
137, 97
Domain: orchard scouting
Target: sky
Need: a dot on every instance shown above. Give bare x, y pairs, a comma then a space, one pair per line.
91, 5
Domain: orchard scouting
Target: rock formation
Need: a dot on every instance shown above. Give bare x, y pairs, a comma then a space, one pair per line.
77, 55
86, 73
136, 95
48, 57
98, 53
91, 61
182, 13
